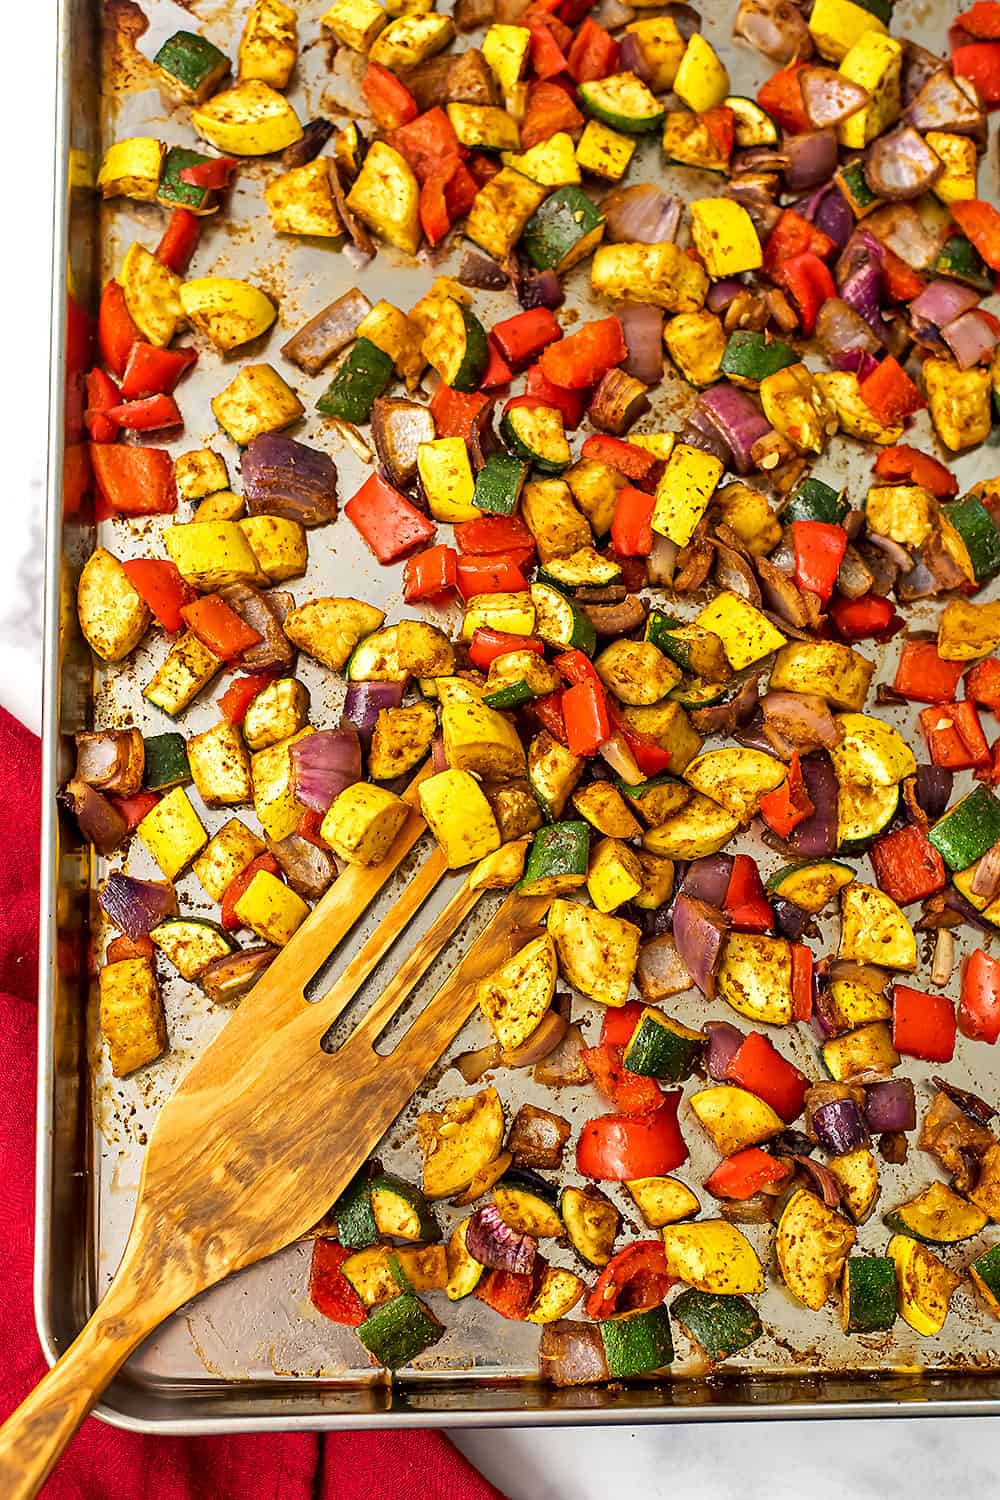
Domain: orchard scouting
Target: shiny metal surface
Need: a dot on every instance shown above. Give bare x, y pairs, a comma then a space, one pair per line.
252, 1354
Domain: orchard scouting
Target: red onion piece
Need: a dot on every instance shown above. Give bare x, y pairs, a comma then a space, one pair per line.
708, 878
642, 326
540, 289
722, 294
812, 158
829, 97
642, 214
479, 271
941, 104
970, 1104
323, 764
890, 1106
933, 789
792, 921
662, 561
572, 1353
859, 278
699, 930
439, 761
970, 338
493, 1243
901, 165
231, 977
823, 1181
99, 820
564, 1065
724, 1041
685, 18
919, 66
308, 869
136, 906
900, 227
661, 972
544, 1039
365, 701
699, 431
859, 362
817, 835
282, 477
632, 59
941, 302
839, 1127
803, 719
738, 420
834, 217
776, 28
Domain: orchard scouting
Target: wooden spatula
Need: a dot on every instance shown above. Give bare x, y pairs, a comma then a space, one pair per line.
267, 1129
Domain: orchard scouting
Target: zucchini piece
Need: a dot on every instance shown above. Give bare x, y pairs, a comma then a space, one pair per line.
536, 435
553, 772
485, 126
959, 260
375, 658
755, 977
398, 1331
693, 692
721, 1325
752, 126
464, 1272
865, 1047
828, 668
354, 1215
663, 1200
584, 568
563, 231
854, 1002
937, 1216
698, 828
695, 650
751, 357
527, 1203
661, 1047
193, 65
637, 1343
812, 1245
499, 484
592, 1222
622, 101
925, 1285
636, 672
734, 1118
359, 381
713, 1256
558, 1292
516, 996
863, 812
500, 211
456, 345
558, 622
810, 884
853, 183
173, 193
873, 930
166, 762
984, 1273
975, 526
815, 501
557, 860
400, 1209
191, 944
518, 677
872, 753
967, 830
869, 1294
459, 1142
736, 778
376, 1274
657, 798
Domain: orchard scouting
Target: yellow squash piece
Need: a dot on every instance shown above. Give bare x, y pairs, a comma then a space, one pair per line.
485, 126
446, 475
968, 630
152, 295
842, 390
199, 473
269, 44
797, 407
614, 875
831, 670
875, 62
903, 512
220, 766
257, 400
277, 712
362, 823
225, 856
735, 1118
683, 493
663, 47
812, 1243
457, 813
505, 49
113, 615
330, 628
132, 1019
516, 996
755, 977
459, 1142
958, 153
661, 274
251, 119
696, 342
836, 25
356, 23
481, 740
227, 311
959, 402
411, 40
552, 163
279, 545
604, 152
131, 168
275, 803
398, 335
873, 930
749, 514
736, 778
699, 827
172, 832
925, 1285
301, 201
713, 1256
189, 666
211, 554
500, 211
271, 909
872, 752
746, 634
724, 236
701, 81
597, 952
663, 1200
501, 869
386, 195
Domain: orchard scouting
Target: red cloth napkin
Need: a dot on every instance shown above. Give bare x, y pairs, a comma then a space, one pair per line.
101, 1462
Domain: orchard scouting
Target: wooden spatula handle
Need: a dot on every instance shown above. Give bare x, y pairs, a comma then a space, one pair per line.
34, 1435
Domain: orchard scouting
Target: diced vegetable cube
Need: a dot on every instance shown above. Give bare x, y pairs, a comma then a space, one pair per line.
132, 1019
271, 909
172, 832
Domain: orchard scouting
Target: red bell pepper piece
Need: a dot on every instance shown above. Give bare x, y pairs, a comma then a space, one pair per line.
809, 283
955, 736
619, 1023
219, 627
869, 618
907, 865
496, 573
389, 101
979, 220
802, 982
550, 109
794, 235
889, 393
572, 404
903, 464
134, 809
789, 804
640, 1267
427, 142
493, 534
625, 458
594, 53
135, 481
509, 1293
116, 332
900, 283
981, 20
742, 1175
123, 947
214, 173
154, 372
631, 532
979, 1000
781, 96
748, 907
487, 644
526, 334
819, 552
454, 412
759, 1067
240, 694
482, 168
649, 756
179, 241
234, 890
631, 1093
924, 676
435, 220
990, 774
982, 684
386, 520
548, 712
575, 667
163, 589
584, 357
497, 375
618, 1148
547, 60
330, 1292
309, 826
585, 714
151, 414
980, 63
102, 396
429, 574
460, 191
922, 1025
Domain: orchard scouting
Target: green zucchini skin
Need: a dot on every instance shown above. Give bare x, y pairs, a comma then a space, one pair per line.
362, 377
554, 236
638, 1342
475, 355
816, 501
870, 1294
661, 1047
394, 1202
354, 1216
398, 1331
723, 1325
959, 260
751, 357
985, 1275
520, 429
174, 193
166, 761
561, 850
974, 525
191, 59
965, 832
499, 484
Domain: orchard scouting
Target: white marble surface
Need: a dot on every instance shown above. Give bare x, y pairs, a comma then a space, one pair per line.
818, 1460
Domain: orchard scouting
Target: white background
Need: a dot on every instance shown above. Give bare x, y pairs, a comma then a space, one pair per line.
804, 1460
